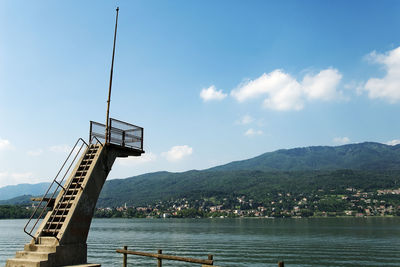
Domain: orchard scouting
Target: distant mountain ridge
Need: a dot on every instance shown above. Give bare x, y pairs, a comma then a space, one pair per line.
362, 156
12, 191
368, 165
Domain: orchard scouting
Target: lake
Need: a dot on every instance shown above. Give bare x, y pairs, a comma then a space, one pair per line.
235, 242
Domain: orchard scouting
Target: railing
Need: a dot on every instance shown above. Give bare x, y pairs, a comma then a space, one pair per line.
54, 187
120, 133
159, 256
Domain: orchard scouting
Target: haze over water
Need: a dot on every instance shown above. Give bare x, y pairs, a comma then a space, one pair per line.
236, 242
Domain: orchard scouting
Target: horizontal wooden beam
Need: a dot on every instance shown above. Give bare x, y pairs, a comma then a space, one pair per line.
165, 257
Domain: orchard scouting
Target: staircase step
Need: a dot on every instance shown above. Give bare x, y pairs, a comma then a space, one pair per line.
65, 202
86, 162
51, 241
53, 226
63, 205
83, 167
52, 232
58, 218
66, 198
32, 255
40, 247
77, 182
72, 192
61, 212
25, 263
75, 185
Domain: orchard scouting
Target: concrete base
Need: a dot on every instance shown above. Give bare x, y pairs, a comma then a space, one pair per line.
48, 253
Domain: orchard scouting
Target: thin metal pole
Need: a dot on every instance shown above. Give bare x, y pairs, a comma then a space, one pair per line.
111, 76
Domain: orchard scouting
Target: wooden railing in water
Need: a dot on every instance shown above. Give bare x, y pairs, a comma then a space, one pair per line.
159, 256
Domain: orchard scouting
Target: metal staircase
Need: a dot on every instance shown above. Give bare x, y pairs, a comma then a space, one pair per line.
69, 195
47, 202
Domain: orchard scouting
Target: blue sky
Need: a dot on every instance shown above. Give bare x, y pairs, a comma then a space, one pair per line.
210, 81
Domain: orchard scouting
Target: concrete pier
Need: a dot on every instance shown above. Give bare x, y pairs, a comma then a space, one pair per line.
61, 238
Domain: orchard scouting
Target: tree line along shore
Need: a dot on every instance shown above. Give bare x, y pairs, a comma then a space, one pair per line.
350, 202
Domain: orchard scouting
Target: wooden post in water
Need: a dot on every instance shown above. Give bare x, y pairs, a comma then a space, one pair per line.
281, 264
125, 258
210, 257
159, 261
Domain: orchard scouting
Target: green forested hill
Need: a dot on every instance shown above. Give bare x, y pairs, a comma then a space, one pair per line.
150, 188
366, 166
20, 200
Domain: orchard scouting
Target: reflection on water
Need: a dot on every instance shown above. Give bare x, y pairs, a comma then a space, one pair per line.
236, 242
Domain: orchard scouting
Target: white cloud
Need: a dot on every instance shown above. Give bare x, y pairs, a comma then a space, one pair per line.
12, 178
341, 140
35, 153
323, 85
393, 142
60, 148
283, 92
4, 144
388, 87
251, 132
134, 161
246, 119
211, 93
177, 153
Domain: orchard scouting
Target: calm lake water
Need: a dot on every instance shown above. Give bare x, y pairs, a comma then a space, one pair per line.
236, 242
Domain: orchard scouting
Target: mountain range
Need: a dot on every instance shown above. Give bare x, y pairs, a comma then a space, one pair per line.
365, 165
12, 191
362, 156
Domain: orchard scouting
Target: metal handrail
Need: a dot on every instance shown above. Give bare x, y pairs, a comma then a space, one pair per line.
130, 124
65, 190
56, 189
98, 141
56, 209
69, 185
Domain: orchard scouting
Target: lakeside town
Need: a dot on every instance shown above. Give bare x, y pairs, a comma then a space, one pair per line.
350, 202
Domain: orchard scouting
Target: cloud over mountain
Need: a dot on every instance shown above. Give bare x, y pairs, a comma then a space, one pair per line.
283, 92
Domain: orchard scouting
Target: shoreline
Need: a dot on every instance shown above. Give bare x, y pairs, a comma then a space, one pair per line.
255, 218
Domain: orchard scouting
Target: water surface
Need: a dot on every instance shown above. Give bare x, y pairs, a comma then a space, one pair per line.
236, 242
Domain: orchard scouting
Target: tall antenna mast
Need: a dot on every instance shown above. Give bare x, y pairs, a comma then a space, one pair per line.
111, 77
